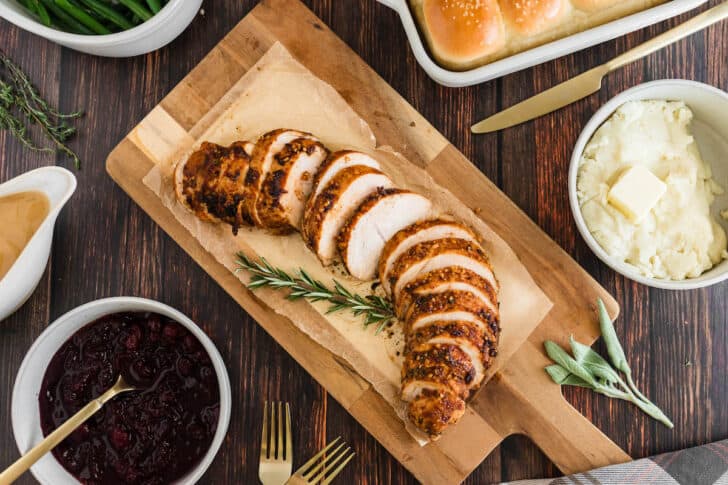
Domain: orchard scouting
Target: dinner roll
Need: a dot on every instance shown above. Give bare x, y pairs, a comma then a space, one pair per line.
530, 17
461, 32
465, 34
593, 5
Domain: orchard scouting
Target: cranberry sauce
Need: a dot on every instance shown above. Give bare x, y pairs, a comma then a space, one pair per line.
153, 436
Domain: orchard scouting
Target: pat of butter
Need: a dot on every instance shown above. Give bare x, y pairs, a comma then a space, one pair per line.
636, 192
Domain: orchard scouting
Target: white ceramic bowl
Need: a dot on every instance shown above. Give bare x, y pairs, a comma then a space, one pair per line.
25, 412
156, 32
537, 55
710, 127
58, 184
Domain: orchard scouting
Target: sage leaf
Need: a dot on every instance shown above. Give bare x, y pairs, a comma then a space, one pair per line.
562, 358
572, 380
557, 373
614, 348
585, 354
603, 372
563, 377
594, 362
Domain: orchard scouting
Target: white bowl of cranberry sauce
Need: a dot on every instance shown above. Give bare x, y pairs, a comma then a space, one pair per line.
169, 432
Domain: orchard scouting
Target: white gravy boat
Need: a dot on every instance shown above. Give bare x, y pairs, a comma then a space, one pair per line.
58, 184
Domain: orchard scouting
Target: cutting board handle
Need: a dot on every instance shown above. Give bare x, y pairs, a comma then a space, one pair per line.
522, 399
572, 442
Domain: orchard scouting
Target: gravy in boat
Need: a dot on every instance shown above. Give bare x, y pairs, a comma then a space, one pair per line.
20, 216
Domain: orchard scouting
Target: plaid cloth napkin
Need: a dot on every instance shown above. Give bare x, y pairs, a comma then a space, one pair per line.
702, 465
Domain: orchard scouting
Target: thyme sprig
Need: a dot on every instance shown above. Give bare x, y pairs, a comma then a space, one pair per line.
374, 309
21, 106
590, 370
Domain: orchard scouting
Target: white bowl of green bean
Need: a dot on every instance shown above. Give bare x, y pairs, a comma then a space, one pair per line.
111, 28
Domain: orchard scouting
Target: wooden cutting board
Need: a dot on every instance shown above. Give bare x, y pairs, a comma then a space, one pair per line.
519, 398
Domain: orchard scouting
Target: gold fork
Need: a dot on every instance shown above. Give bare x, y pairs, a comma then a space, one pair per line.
276, 450
322, 473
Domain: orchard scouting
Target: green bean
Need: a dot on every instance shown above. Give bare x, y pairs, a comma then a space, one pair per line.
108, 13
155, 5
28, 6
73, 25
41, 12
137, 8
60, 25
83, 17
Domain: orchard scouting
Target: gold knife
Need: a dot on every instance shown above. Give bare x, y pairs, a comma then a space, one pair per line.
589, 82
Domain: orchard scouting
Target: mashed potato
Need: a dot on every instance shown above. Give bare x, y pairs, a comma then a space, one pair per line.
678, 238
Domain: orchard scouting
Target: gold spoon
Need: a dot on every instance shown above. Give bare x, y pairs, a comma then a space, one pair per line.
26, 461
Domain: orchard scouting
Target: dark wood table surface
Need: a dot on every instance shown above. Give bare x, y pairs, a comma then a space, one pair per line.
106, 246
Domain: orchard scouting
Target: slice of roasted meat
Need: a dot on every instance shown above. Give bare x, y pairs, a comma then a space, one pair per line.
465, 335
432, 407
444, 279
210, 182
428, 308
439, 363
416, 233
432, 255
288, 184
335, 204
266, 148
381, 215
335, 163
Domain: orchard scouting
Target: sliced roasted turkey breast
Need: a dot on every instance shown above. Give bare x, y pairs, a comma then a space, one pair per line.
210, 182
467, 336
335, 204
460, 329
333, 164
376, 220
432, 407
426, 309
266, 148
436, 254
444, 279
416, 233
439, 363
338, 161
288, 184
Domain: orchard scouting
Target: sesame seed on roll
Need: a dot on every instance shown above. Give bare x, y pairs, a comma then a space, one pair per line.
593, 5
530, 17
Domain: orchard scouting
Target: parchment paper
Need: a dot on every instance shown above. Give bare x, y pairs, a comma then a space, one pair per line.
280, 92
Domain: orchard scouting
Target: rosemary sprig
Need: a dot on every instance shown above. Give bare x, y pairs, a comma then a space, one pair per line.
21, 106
588, 369
374, 309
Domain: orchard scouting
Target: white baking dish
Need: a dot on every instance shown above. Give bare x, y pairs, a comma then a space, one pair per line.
537, 55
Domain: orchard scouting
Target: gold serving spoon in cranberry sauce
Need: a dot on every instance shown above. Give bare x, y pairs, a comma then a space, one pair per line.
51, 441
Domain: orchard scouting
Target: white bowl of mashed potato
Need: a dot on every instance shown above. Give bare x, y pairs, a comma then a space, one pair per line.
648, 184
